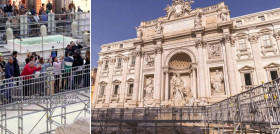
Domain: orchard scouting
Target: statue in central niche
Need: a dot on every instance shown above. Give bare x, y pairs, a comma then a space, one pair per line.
177, 86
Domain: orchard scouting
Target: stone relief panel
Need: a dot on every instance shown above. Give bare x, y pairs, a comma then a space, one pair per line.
148, 87
217, 81
214, 51
149, 60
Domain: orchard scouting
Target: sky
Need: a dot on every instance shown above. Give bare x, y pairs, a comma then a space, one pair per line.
114, 20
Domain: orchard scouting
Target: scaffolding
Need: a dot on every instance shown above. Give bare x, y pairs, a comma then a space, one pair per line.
256, 110
45, 101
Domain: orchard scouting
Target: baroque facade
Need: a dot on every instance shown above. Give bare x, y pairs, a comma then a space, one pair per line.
189, 57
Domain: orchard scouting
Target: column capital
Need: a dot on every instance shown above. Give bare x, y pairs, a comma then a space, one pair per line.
138, 53
158, 50
228, 39
99, 62
112, 60
253, 38
200, 43
125, 58
276, 35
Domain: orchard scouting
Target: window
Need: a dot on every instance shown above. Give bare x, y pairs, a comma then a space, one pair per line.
121, 45
274, 75
106, 64
133, 61
109, 47
266, 40
119, 62
102, 90
116, 89
238, 23
130, 89
242, 44
248, 80
261, 18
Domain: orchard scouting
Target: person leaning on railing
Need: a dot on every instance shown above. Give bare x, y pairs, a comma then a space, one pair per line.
57, 72
9, 76
27, 72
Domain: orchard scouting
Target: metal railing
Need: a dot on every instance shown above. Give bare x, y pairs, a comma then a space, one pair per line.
27, 26
255, 110
18, 89
48, 94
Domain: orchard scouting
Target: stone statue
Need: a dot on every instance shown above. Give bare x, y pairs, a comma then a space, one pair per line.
224, 14
9, 33
217, 82
169, 11
149, 60
43, 30
139, 32
159, 28
149, 89
177, 85
74, 27
197, 21
178, 8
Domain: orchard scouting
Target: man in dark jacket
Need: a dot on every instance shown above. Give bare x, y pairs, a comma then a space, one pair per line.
78, 67
75, 47
49, 5
16, 66
9, 73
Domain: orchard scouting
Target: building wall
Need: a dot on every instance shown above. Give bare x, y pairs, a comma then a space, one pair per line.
213, 42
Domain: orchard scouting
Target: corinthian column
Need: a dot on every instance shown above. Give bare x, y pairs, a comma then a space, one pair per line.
95, 92
158, 75
201, 72
110, 80
124, 75
277, 37
136, 76
254, 41
230, 68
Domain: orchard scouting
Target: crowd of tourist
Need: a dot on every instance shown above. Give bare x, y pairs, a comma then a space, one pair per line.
10, 15
69, 72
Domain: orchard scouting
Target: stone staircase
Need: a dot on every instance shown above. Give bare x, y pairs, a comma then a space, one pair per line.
6, 53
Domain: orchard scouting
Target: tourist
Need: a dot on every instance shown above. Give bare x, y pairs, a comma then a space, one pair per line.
3, 6
44, 16
79, 9
2, 62
33, 11
27, 59
72, 7
9, 76
77, 67
28, 82
9, 9
57, 71
16, 66
41, 9
49, 6
67, 50
44, 65
87, 70
67, 65
74, 46
36, 17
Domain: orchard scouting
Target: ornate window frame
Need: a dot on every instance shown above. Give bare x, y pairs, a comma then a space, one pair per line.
242, 51
267, 48
101, 97
244, 70
115, 97
272, 67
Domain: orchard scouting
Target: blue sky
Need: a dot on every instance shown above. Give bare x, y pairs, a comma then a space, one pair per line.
114, 20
